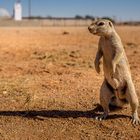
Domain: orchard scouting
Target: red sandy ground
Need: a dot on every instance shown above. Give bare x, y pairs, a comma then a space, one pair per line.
49, 89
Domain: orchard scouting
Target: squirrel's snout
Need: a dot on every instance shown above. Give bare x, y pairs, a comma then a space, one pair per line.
89, 28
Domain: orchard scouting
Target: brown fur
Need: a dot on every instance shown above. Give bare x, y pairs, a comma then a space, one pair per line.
117, 73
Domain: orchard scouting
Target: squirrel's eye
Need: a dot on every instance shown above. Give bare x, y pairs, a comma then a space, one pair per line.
101, 24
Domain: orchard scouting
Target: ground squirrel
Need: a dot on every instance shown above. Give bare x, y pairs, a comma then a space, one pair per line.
117, 87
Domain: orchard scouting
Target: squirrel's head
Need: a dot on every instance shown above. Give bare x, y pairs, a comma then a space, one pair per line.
101, 27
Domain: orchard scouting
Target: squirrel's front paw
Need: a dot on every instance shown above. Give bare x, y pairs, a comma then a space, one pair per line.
115, 83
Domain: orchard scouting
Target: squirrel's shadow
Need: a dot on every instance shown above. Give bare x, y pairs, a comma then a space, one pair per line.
42, 114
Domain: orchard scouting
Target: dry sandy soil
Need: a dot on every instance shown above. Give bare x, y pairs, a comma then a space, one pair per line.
49, 89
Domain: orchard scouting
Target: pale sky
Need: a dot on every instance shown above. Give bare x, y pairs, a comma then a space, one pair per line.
121, 9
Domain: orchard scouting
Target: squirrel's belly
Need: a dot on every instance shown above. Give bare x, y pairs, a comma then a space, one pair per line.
118, 76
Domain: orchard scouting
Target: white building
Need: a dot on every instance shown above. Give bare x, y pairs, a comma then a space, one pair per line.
18, 11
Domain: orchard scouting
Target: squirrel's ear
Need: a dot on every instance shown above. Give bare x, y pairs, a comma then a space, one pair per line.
110, 24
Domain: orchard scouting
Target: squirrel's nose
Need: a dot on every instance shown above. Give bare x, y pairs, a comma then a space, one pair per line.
89, 28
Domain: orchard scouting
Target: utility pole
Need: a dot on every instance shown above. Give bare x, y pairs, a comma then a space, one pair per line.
29, 6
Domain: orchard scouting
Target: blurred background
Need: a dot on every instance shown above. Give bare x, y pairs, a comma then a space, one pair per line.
63, 13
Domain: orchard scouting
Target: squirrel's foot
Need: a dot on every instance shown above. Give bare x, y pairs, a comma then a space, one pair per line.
101, 117
135, 119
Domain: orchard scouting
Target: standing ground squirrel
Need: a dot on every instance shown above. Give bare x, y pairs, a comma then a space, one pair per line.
117, 87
